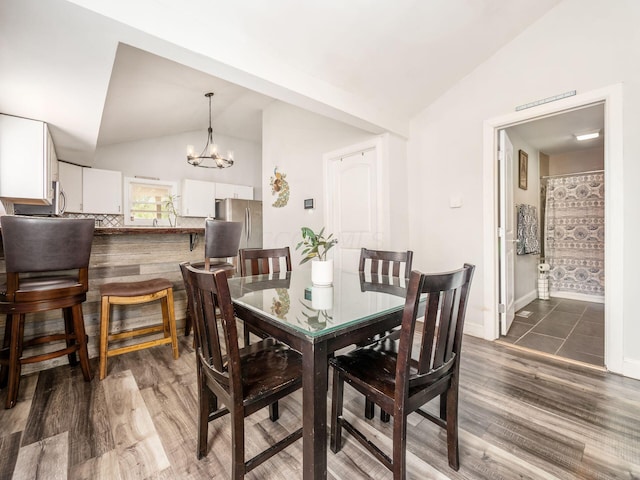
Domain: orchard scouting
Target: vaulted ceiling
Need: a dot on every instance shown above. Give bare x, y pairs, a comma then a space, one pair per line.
108, 72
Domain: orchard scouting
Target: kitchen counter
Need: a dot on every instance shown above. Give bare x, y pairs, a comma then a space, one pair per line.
146, 230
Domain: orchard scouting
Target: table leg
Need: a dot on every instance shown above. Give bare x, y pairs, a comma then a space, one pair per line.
314, 406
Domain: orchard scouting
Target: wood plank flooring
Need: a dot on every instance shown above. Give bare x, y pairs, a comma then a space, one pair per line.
521, 416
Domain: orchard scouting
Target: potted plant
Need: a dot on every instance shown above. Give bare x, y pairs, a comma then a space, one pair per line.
315, 247
172, 212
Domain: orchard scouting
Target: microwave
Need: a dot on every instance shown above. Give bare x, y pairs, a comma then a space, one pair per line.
55, 209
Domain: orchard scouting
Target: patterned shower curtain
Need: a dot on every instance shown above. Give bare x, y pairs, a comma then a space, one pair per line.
574, 233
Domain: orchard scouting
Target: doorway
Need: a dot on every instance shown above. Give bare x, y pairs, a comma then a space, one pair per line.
612, 99
353, 199
555, 200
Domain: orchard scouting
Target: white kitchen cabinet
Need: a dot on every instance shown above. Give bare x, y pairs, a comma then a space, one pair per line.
101, 191
71, 184
197, 198
52, 159
27, 156
228, 190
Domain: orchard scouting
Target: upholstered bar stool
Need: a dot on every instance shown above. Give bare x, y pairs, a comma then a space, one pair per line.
135, 293
221, 242
47, 263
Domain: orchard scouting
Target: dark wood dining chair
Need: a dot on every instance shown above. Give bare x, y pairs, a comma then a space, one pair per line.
243, 379
260, 261
221, 243
47, 268
373, 264
381, 262
402, 380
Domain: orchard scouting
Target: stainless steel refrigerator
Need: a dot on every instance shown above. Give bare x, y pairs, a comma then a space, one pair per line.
249, 212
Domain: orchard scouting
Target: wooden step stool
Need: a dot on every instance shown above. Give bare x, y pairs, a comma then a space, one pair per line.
133, 293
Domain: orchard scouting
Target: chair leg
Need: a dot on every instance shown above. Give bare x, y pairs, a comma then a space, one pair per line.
336, 411
81, 339
168, 313
399, 446
105, 315
245, 331
15, 353
369, 408
203, 419
443, 407
237, 443
6, 341
384, 416
69, 331
452, 427
187, 322
274, 411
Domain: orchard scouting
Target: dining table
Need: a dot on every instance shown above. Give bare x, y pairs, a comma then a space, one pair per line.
317, 321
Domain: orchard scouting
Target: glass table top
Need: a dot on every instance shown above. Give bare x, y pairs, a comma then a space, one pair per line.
290, 298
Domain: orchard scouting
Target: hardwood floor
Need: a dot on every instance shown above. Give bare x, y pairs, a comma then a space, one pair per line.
520, 417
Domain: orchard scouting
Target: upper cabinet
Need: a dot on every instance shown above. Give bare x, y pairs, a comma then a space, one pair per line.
28, 162
198, 198
227, 190
101, 191
70, 176
91, 190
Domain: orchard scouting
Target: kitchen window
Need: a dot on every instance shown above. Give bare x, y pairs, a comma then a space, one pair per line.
148, 201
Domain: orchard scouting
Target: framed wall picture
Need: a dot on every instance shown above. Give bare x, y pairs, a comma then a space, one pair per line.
523, 169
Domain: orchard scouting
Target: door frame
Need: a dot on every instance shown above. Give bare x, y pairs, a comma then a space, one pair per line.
611, 96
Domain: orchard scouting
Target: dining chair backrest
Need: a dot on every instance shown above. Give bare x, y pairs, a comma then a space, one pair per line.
443, 323
41, 244
392, 285
214, 324
381, 262
258, 261
221, 240
44, 247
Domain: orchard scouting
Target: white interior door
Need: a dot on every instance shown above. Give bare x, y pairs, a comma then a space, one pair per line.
506, 240
353, 205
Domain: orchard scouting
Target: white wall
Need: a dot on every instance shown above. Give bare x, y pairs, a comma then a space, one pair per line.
580, 45
294, 140
526, 266
166, 158
394, 178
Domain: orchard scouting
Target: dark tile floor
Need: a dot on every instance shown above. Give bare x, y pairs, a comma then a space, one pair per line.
566, 328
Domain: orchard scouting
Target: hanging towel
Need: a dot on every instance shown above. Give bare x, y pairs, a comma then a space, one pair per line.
528, 241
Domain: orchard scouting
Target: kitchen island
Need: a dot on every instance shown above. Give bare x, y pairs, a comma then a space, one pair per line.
124, 254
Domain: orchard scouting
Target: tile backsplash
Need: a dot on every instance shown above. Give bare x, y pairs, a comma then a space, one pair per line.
114, 221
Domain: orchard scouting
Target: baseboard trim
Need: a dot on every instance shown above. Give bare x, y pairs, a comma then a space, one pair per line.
577, 296
631, 368
474, 329
525, 300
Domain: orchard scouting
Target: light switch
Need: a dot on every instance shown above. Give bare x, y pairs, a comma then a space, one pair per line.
455, 202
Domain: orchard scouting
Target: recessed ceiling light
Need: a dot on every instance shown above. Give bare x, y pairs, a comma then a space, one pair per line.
587, 135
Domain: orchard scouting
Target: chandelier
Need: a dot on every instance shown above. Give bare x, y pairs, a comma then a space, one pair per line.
209, 158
